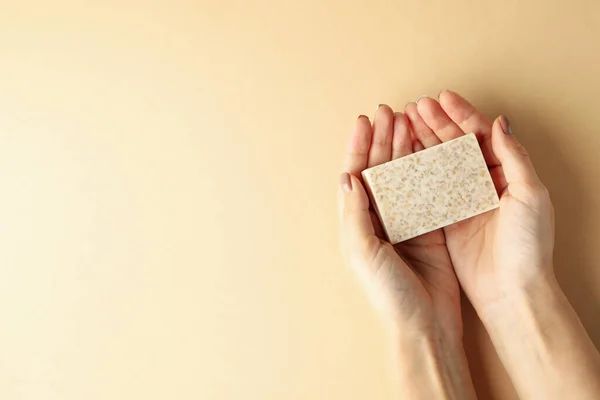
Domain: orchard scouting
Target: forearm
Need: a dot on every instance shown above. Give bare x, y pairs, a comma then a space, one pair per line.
543, 345
432, 368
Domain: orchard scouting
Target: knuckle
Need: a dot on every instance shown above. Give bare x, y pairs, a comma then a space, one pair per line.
382, 141
348, 212
521, 150
372, 247
539, 196
541, 192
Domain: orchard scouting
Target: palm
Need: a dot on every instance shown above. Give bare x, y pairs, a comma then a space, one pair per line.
499, 244
423, 285
481, 244
428, 256
469, 243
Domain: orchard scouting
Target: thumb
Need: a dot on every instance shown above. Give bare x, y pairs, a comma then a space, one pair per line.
513, 157
357, 227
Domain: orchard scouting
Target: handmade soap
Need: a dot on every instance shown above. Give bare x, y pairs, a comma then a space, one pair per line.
431, 189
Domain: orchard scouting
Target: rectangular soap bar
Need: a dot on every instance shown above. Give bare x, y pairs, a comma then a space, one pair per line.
432, 188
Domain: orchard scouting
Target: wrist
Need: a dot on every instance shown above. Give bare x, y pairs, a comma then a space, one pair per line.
432, 342
432, 365
542, 343
520, 298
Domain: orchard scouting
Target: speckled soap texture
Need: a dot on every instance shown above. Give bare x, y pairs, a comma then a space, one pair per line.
431, 189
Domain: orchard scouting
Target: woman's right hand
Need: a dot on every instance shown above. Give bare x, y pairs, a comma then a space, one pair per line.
499, 254
503, 260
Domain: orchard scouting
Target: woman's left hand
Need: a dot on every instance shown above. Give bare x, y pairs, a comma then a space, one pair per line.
412, 283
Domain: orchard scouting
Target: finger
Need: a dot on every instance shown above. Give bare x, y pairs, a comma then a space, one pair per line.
516, 164
469, 120
438, 121
464, 114
417, 146
358, 147
356, 220
377, 227
401, 142
420, 129
499, 180
381, 142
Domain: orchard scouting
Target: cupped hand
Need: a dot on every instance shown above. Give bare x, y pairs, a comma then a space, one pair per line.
508, 251
412, 283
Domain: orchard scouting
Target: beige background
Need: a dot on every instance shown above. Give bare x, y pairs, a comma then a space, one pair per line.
169, 169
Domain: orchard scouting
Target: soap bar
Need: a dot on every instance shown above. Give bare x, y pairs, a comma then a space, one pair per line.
431, 189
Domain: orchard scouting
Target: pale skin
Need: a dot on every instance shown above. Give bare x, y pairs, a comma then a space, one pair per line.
502, 260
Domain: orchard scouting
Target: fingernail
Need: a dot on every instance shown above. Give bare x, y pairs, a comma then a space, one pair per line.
440, 93
505, 124
362, 116
421, 97
346, 182
410, 102
379, 106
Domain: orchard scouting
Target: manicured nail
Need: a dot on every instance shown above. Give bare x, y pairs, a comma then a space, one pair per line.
505, 124
421, 97
346, 183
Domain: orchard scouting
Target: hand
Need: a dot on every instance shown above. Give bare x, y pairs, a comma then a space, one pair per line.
503, 260
412, 283
499, 254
